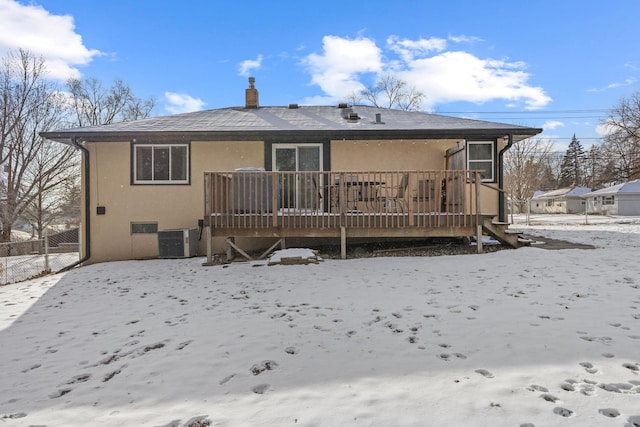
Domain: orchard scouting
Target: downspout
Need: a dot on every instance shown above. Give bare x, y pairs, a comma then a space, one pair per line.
87, 208
501, 210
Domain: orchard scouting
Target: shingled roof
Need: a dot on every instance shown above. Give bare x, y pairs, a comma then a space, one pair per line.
240, 123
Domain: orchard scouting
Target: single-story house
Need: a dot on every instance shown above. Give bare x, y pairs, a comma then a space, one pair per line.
562, 201
253, 175
620, 199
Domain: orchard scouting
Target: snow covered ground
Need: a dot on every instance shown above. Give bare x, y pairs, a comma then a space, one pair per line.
527, 337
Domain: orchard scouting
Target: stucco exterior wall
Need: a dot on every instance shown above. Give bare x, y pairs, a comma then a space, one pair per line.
171, 206
389, 155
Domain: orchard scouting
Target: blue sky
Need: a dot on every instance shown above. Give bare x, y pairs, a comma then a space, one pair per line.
560, 64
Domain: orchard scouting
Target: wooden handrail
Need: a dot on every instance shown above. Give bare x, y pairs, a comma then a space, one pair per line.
320, 200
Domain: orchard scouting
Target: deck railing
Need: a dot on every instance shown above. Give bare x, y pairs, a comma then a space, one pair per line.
320, 203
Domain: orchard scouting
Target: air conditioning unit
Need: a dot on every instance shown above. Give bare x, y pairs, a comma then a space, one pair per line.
179, 243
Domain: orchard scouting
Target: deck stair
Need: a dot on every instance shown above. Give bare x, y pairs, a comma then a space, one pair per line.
500, 231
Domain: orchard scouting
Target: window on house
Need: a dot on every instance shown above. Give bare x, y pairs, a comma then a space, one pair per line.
608, 200
549, 202
161, 164
480, 156
144, 227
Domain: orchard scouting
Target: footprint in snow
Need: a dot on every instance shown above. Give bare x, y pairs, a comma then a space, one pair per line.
535, 387
563, 412
567, 387
588, 367
261, 388
266, 365
634, 421
226, 379
291, 350
484, 373
549, 398
609, 412
60, 393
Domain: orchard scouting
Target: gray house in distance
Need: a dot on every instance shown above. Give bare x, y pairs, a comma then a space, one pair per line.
562, 201
620, 199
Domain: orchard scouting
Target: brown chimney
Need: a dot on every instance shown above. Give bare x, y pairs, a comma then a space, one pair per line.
251, 94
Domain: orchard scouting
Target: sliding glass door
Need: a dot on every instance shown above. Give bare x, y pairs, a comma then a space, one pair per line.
298, 191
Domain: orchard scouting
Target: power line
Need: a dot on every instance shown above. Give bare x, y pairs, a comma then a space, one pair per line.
528, 112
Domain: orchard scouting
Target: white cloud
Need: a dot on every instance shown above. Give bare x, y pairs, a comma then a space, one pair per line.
626, 82
408, 49
53, 37
178, 103
465, 39
442, 75
604, 129
554, 124
461, 76
249, 65
337, 69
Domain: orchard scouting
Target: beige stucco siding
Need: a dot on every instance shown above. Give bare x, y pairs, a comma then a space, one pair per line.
170, 206
389, 154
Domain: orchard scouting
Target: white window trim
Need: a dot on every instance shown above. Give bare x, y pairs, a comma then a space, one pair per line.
608, 200
276, 145
493, 158
160, 181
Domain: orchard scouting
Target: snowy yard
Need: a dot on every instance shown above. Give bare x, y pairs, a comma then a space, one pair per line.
526, 337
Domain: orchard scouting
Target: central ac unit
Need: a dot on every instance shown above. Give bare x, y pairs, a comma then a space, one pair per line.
179, 243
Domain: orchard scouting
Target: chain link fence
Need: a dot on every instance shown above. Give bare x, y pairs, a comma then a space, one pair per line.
21, 261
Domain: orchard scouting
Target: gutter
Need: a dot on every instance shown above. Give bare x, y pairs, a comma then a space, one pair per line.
87, 208
501, 198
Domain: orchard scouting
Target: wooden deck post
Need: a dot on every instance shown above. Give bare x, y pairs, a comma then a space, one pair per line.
209, 245
343, 242
479, 238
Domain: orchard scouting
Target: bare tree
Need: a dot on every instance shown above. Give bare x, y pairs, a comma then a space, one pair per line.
93, 104
623, 141
391, 92
525, 168
52, 170
30, 105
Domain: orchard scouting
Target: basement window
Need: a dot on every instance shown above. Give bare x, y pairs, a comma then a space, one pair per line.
161, 164
144, 227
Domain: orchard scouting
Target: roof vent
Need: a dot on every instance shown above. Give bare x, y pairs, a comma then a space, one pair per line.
293, 106
353, 116
342, 105
251, 94
378, 119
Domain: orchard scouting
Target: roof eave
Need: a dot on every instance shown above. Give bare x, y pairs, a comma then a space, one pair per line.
88, 136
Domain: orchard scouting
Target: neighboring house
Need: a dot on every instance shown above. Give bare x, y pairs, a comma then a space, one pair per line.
561, 201
620, 199
338, 172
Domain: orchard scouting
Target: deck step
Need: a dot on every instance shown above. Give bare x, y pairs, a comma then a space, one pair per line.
499, 231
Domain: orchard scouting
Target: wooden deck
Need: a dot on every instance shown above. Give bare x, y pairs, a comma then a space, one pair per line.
371, 204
